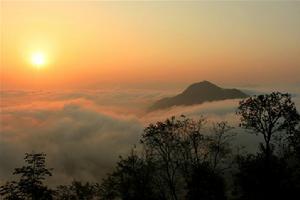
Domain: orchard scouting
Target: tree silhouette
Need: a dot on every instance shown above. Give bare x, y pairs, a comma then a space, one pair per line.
31, 182
161, 139
183, 151
258, 181
10, 191
219, 146
268, 115
205, 183
133, 179
269, 174
77, 191
175, 163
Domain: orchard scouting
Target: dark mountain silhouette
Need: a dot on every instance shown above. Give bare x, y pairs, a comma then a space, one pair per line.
198, 93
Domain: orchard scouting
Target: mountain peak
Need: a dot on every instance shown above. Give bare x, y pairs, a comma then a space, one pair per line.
198, 93
202, 84
205, 82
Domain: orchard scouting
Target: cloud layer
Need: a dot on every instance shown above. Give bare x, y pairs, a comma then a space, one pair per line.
83, 132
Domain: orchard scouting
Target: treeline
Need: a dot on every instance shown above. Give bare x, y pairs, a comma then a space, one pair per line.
179, 159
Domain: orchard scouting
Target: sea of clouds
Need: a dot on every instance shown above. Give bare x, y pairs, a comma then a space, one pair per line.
84, 131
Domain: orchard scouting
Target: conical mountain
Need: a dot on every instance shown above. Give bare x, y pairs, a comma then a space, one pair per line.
198, 93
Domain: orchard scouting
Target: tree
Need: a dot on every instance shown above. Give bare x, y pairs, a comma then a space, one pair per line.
77, 191
294, 142
161, 140
174, 164
31, 183
133, 179
257, 181
269, 174
182, 152
294, 158
204, 179
109, 188
268, 115
10, 191
205, 183
219, 145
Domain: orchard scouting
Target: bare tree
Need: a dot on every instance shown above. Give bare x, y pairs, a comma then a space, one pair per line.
161, 139
219, 145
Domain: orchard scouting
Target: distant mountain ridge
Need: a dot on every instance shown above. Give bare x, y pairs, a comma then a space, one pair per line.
198, 93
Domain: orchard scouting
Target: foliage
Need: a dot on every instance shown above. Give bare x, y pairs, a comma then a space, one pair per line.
269, 115
31, 182
273, 173
178, 158
205, 183
256, 180
132, 179
77, 191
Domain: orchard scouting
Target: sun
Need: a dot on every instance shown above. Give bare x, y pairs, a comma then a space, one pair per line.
38, 59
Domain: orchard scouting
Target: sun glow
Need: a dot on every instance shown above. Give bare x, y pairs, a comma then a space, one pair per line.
38, 59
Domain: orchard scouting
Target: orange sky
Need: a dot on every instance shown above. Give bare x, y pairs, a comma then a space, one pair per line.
94, 44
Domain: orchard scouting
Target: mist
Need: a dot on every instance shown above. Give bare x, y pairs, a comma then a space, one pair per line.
84, 131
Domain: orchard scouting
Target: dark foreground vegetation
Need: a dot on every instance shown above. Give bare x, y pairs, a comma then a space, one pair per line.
183, 159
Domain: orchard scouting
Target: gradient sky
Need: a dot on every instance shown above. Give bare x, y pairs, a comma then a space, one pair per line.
96, 44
